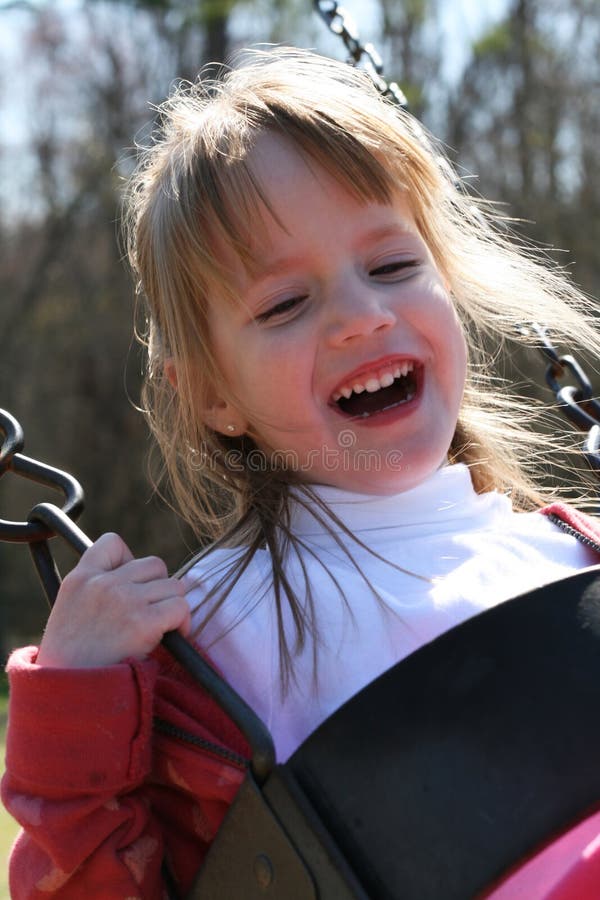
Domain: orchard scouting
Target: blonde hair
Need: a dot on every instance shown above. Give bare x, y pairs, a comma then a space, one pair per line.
194, 189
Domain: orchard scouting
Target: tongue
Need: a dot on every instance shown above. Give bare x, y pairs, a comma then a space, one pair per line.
366, 404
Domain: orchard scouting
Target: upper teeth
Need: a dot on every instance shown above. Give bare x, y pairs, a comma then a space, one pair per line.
373, 381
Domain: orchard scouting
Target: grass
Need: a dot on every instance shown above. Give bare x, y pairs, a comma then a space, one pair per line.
8, 826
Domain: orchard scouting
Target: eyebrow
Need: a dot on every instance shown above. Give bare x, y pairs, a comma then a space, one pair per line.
390, 230
261, 270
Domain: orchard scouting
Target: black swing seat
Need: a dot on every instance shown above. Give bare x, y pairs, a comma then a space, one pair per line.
438, 777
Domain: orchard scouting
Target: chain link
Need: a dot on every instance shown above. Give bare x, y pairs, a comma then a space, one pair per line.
340, 22
13, 460
576, 401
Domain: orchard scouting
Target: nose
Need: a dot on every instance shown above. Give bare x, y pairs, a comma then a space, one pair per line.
356, 311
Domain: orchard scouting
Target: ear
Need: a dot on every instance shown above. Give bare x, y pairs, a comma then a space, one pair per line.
222, 416
218, 414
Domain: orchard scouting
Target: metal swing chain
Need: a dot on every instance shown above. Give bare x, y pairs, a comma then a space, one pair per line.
576, 402
341, 23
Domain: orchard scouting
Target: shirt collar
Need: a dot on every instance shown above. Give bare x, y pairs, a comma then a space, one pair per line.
446, 496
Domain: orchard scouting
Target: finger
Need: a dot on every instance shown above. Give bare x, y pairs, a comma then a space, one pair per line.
170, 614
186, 626
142, 571
155, 591
109, 552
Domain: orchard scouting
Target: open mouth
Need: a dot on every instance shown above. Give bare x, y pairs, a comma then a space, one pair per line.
378, 391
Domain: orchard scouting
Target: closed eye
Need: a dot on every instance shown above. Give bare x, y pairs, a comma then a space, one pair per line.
280, 309
395, 267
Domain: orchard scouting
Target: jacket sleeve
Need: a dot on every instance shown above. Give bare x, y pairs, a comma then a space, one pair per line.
78, 753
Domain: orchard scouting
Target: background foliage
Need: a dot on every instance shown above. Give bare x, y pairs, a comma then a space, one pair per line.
522, 114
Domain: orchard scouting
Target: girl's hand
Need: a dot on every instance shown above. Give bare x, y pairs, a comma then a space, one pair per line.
112, 606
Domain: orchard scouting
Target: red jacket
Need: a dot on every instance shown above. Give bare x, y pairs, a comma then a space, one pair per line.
116, 769
103, 796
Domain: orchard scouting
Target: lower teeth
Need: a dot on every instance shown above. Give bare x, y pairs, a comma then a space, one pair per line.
409, 396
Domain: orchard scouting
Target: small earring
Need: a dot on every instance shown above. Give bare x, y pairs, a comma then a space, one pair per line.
231, 428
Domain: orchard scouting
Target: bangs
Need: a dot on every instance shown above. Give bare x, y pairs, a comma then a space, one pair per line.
235, 200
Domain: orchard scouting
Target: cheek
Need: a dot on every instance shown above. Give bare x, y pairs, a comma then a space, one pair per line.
451, 345
462, 350
273, 387
456, 349
283, 361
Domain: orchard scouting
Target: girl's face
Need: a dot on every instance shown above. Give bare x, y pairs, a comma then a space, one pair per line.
345, 353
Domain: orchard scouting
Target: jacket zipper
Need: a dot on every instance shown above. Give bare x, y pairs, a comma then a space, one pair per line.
180, 734
167, 728
569, 529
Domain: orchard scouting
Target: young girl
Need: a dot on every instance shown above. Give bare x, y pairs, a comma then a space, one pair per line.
324, 309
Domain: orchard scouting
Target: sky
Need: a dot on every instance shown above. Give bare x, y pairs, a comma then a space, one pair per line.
462, 21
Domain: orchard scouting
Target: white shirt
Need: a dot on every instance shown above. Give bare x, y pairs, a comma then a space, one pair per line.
471, 550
